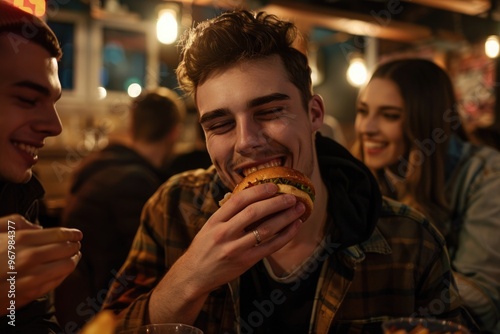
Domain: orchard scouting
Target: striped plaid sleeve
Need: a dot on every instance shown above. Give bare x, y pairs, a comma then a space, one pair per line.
129, 294
170, 220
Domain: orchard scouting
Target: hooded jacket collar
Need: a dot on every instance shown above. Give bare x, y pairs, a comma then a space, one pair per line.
354, 198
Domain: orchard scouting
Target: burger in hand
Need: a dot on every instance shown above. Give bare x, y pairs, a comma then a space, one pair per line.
288, 180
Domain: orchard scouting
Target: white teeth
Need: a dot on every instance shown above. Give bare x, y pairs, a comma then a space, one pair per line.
31, 150
373, 145
272, 163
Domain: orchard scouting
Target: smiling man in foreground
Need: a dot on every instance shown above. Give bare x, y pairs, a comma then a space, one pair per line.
251, 265
33, 261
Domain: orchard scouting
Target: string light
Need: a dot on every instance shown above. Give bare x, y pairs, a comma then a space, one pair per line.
491, 46
357, 74
167, 26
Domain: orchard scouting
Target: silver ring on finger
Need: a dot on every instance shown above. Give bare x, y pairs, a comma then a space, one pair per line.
256, 234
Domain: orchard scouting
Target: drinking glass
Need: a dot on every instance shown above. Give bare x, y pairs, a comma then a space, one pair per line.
173, 328
422, 326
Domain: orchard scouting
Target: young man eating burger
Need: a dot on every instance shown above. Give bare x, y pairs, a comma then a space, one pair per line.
344, 269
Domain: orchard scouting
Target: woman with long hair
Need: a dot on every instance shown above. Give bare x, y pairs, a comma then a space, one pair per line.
409, 133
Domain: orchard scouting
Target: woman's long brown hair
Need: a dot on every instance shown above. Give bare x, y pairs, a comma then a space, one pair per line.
430, 119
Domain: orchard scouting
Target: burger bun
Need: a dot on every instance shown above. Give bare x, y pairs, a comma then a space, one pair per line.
279, 172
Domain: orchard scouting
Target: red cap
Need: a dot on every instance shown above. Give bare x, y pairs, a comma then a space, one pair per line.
16, 21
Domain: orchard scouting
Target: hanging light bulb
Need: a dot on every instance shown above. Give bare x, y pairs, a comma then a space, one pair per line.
315, 62
357, 74
491, 46
167, 26
134, 90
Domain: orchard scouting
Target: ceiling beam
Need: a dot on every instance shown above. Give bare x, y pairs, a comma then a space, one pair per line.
468, 7
307, 16
225, 4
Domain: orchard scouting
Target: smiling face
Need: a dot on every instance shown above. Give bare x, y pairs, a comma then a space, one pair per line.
379, 124
253, 117
29, 88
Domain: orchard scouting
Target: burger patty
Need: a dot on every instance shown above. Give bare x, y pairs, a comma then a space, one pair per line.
280, 180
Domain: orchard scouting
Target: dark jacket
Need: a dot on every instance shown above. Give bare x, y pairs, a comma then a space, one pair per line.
105, 201
39, 315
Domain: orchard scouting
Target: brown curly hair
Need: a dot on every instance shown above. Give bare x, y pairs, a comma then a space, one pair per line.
239, 36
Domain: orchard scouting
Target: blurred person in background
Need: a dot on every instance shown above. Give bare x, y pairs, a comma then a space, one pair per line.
33, 260
409, 133
106, 196
197, 157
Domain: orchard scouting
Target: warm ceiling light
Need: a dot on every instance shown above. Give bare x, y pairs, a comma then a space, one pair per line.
134, 90
491, 47
167, 26
316, 64
357, 74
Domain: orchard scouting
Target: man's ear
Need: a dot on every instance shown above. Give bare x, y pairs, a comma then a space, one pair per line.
316, 112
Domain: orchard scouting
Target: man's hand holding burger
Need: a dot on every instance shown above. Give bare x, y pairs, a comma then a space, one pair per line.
288, 180
225, 247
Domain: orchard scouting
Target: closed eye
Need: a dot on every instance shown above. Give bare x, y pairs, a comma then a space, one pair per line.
219, 127
272, 113
392, 116
23, 100
361, 111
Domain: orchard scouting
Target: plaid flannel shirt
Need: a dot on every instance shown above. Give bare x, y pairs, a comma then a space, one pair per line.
401, 270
